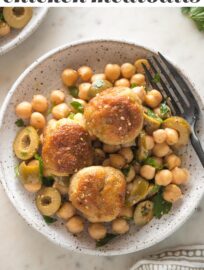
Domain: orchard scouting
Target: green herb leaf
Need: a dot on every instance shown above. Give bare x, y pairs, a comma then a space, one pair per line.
154, 190
49, 220
126, 170
16, 170
150, 113
38, 157
133, 85
50, 108
152, 162
77, 106
156, 78
196, 14
105, 240
74, 91
165, 110
161, 207
1, 17
71, 116
48, 181
20, 123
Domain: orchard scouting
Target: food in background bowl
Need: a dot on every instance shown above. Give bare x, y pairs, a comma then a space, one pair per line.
107, 156
14, 17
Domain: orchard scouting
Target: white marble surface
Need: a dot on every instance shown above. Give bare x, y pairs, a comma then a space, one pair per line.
162, 28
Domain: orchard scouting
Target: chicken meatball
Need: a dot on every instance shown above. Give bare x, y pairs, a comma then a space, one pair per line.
98, 193
115, 116
66, 148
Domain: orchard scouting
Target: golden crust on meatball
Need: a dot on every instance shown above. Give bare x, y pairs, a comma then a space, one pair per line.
66, 148
98, 192
115, 116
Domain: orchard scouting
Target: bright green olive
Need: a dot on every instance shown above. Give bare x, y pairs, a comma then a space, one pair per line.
48, 201
143, 213
26, 143
138, 192
98, 86
151, 124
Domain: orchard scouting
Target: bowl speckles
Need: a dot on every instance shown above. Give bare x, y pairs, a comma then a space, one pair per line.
44, 76
17, 36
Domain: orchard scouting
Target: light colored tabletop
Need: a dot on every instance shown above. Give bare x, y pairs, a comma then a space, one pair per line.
165, 29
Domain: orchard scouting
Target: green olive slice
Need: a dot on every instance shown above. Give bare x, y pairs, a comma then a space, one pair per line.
48, 201
142, 152
26, 143
99, 86
29, 173
151, 124
181, 126
143, 213
17, 17
138, 192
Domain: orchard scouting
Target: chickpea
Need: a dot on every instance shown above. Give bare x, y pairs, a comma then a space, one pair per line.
117, 161
171, 136
122, 82
60, 111
97, 231
79, 118
127, 153
37, 120
159, 136
126, 212
75, 225
127, 70
85, 73
24, 110
138, 79
131, 174
153, 98
33, 187
163, 177
140, 92
149, 142
112, 72
180, 176
95, 77
139, 67
172, 193
161, 149
5, 29
39, 103
66, 211
107, 148
84, 91
69, 77
147, 171
57, 97
106, 162
61, 188
157, 111
172, 161
120, 226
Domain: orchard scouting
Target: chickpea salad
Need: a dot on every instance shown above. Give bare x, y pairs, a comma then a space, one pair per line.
102, 153
14, 18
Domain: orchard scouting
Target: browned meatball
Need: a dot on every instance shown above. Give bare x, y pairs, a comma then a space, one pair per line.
66, 148
115, 116
98, 192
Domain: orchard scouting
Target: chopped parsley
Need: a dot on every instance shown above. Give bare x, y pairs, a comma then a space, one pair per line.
20, 123
1, 16
154, 190
156, 78
196, 14
161, 207
164, 110
48, 181
71, 115
105, 240
126, 170
74, 91
77, 106
50, 109
16, 170
152, 162
38, 157
133, 85
151, 114
49, 220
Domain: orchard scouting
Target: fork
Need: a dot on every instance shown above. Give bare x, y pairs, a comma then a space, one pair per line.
182, 102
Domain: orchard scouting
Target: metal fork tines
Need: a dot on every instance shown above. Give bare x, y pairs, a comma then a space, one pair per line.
174, 86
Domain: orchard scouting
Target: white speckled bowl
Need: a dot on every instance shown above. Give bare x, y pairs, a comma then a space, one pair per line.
43, 76
17, 36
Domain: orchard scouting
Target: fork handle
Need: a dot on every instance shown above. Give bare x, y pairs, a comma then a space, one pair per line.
197, 146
